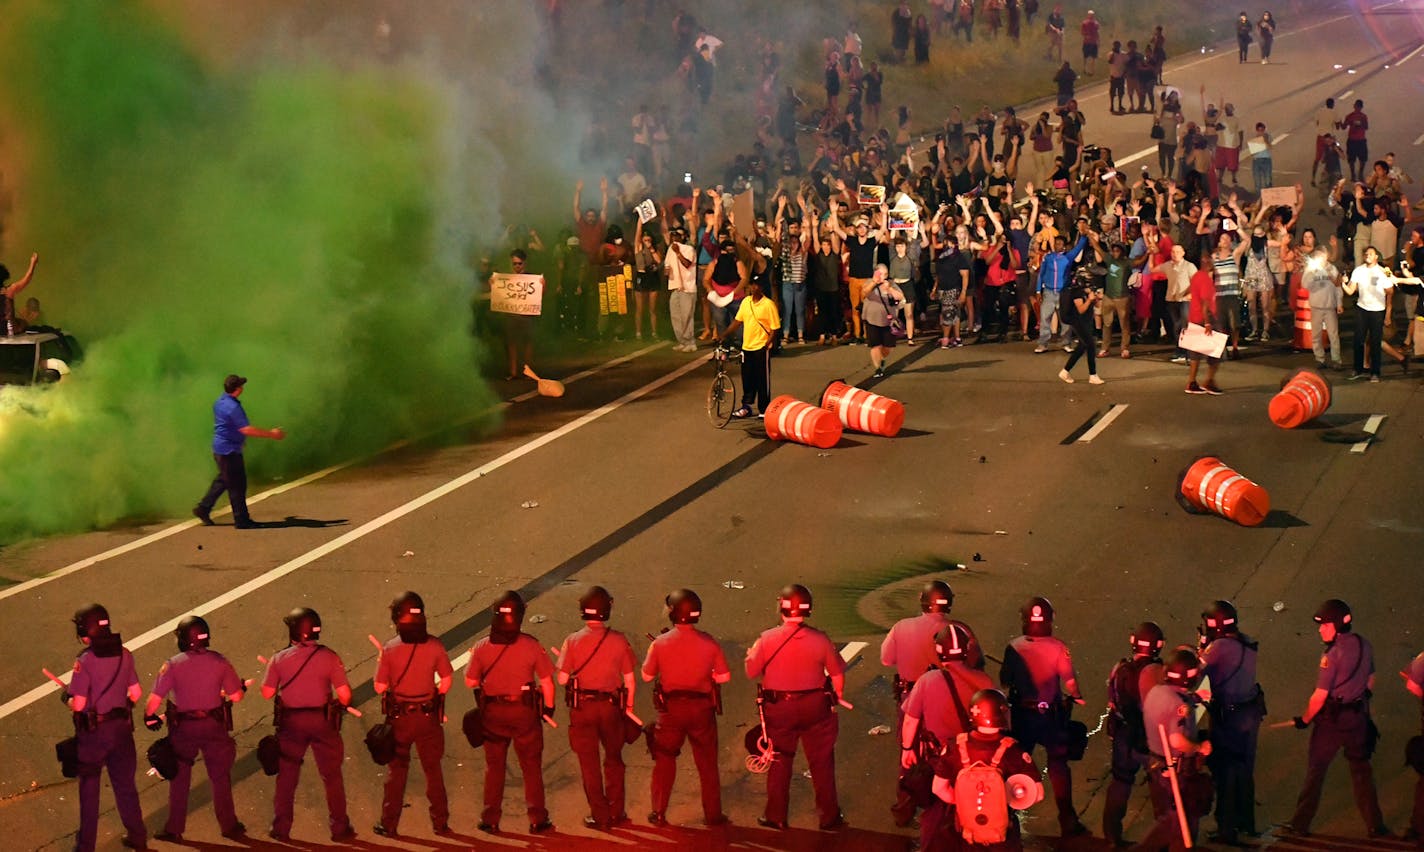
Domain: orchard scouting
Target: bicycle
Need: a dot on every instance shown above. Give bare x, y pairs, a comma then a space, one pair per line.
722, 395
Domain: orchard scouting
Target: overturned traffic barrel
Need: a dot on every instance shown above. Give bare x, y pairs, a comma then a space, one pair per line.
1304, 396
1209, 485
790, 419
862, 411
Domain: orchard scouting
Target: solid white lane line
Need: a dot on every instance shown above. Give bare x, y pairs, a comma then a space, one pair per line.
280, 489
256, 583
1420, 140
852, 650
1410, 55
1132, 158
1371, 426
1102, 424
1345, 94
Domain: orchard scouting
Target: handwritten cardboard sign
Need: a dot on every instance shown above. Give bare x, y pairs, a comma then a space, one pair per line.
517, 294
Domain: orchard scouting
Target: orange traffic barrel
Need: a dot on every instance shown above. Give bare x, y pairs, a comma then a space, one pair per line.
1304, 396
863, 411
790, 419
1208, 485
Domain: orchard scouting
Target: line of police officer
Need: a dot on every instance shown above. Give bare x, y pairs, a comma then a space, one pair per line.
1152, 719
802, 678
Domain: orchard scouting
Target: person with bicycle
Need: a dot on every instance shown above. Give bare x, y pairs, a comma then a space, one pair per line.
759, 321
881, 301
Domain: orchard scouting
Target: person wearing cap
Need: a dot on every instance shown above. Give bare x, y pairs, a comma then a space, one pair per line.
680, 264
413, 673
689, 668
596, 667
204, 686
794, 663
1338, 715
230, 431
513, 682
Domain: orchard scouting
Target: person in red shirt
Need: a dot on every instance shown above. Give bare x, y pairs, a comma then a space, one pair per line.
1089, 30
1202, 311
1357, 151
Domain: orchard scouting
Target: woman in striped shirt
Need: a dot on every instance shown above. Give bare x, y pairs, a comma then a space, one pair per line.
1226, 268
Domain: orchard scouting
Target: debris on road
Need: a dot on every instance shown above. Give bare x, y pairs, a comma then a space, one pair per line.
1278, 606
538, 619
1001, 532
408, 554
734, 584
879, 730
978, 557
529, 504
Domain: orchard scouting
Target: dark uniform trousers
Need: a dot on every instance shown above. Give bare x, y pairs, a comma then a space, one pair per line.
1234, 729
1049, 729
424, 732
1347, 728
1126, 761
807, 718
109, 746
591, 724
520, 723
302, 729
232, 478
692, 720
209, 737
1166, 832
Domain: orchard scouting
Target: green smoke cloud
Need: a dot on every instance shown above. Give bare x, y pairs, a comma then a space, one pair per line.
280, 222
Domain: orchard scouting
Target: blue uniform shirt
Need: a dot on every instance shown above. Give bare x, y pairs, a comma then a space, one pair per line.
228, 420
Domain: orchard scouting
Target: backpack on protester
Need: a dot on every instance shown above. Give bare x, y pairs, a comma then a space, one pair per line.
981, 799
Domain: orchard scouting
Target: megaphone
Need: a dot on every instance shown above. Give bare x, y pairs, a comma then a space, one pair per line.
1024, 791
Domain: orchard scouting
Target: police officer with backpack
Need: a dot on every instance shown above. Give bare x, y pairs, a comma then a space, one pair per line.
102, 691
1338, 715
513, 682
413, 674
935, 712
1237, 705
1128, 684
204, 686
984, 776
1039, 677
802, 680
301, 680
1178, 750
689, 669
596, 667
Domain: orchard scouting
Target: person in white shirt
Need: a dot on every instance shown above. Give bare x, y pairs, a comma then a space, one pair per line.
1179, 272
1373, 288
681, 265
1326, 123
1228, 146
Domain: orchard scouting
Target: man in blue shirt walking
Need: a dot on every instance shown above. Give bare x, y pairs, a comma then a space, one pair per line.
230, 431
1052, 276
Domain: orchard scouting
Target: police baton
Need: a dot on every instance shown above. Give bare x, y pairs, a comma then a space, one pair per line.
1289, 723
49, 674
380, 649
634, 716
1176, 788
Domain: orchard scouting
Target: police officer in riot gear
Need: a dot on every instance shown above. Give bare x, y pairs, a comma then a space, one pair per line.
1041, 684
513, 682
909, 649
796, 663
102, 691
596, 665
204, 686
1128, 684
412, 676
1338, 715
689, 668
301, 679
1237, 706
1169, 709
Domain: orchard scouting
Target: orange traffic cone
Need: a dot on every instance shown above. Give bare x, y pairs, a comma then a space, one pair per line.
1304, 396
1210, 486
789, 419
863, 411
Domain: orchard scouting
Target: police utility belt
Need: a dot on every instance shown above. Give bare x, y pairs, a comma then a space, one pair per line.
902, 688
89, 720
1040, 707
772, 696
332, 710
395, 708
221, 713
661, 697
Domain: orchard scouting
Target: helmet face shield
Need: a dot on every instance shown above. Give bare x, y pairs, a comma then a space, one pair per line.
794, 601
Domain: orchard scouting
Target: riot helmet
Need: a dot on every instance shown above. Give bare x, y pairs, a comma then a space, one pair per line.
1336, 612
989, 711
408, 615
1219, 620
92, 622
794, 601
1147, 638
936, 596
303, 624
596, 604
952, 642
684, 607
192, 633
507, 616
1182, 669
1037, 614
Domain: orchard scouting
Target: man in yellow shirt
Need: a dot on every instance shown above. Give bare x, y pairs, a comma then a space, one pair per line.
759, 321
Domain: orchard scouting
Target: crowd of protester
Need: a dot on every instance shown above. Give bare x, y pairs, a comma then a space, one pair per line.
991, 227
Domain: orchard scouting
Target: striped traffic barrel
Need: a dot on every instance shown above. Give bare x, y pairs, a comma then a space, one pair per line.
863, 411
1304, 396
790, 419
1208, 485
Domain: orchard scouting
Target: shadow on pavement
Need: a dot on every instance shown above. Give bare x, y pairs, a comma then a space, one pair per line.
1280, 519
294, 521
